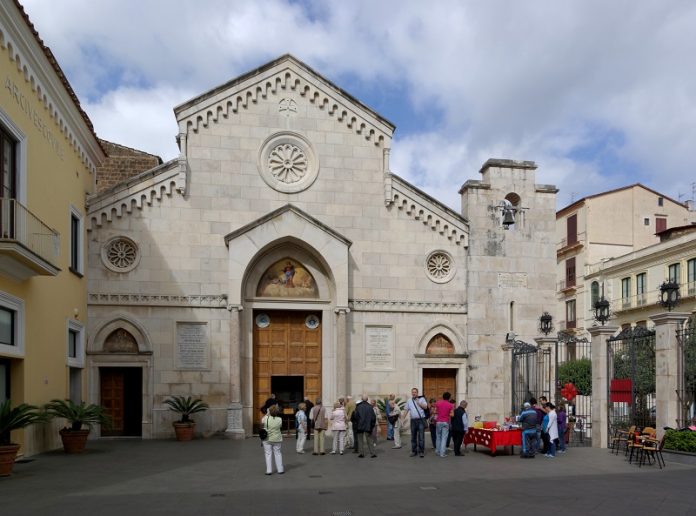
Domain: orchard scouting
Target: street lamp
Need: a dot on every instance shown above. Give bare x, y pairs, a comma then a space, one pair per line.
546, 323
669, 295
601, 309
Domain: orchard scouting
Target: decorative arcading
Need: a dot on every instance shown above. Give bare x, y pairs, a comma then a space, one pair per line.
288, 81
372, 305
451, 229
202, 301
147, 194
31, 78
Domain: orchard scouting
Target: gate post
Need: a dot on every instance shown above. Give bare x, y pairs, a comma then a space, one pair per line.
549, 374
600, 384
667, 368
508, 367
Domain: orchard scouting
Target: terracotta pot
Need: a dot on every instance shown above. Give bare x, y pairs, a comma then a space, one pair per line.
8, 453
74, 441
184, 431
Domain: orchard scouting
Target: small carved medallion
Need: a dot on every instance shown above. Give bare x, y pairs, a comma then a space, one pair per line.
287, 106
439, 266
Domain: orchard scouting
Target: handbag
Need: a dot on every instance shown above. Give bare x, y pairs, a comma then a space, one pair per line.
263, 433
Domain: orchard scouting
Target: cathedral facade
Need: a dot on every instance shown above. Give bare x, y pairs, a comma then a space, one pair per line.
280, 254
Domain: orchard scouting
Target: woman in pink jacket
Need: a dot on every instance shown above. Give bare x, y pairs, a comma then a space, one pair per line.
338, 428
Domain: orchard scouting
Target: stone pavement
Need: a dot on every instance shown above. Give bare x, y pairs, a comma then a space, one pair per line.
218, 476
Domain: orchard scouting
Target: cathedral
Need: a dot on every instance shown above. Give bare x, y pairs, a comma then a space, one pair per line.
279, 253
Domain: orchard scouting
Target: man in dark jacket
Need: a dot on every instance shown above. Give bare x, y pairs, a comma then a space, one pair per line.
460, 425
364, 421
528, 421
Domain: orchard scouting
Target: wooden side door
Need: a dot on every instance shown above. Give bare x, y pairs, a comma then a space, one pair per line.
113, 399
437, 381
286, 347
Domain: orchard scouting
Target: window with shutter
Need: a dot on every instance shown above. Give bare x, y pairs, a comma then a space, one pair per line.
572, 229
570, 272
660, 224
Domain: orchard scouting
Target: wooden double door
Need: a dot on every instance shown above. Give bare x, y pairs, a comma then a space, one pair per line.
287, 345
437, 381
122, 397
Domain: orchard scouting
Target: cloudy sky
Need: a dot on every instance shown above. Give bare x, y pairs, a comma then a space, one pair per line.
600, 94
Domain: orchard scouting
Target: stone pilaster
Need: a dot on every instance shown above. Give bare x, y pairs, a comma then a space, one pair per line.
342, 357
235, 427
600, 384
549, 343
667, 367
507, 374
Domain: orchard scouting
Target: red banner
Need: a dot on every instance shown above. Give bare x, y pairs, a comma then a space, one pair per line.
621, 390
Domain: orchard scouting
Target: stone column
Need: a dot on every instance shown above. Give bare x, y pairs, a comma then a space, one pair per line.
600, 384
667, 368
342, 351
544, 343
235, 427
507, 375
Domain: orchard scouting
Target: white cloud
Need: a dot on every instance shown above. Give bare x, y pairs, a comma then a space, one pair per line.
598, 93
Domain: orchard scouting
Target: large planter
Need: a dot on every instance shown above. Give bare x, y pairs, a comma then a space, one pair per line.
8, 453
74, 441
184, 431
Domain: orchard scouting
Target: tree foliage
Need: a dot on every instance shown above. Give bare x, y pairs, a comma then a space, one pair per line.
579, 373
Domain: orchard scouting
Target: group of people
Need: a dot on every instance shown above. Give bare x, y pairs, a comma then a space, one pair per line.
543, 428
445, 419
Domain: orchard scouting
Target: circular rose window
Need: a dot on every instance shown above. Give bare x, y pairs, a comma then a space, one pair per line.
287, 162
439, 266
120, 254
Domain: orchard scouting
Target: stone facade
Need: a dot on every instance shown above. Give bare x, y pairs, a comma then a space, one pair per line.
280, 166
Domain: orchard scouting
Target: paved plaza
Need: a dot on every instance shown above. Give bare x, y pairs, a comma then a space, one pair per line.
218, 476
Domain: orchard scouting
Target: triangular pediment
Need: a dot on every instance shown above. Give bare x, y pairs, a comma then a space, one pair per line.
290, 216
286, 74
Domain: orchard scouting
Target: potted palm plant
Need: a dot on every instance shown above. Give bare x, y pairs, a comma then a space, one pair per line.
21, 416
74, 436
185, 406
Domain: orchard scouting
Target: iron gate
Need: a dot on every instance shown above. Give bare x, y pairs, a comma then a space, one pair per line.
531, 374
574, 365
631, 373
686, 337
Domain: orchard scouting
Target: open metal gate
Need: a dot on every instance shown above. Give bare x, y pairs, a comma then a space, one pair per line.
574, 366
532, 374
631, 373
686, 338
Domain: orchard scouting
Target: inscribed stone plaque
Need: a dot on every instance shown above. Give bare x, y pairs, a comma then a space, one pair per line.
512, 280
379, 347
192, 345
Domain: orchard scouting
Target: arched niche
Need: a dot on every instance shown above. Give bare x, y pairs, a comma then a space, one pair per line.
439, 345
443, 329
314, 282
117, 334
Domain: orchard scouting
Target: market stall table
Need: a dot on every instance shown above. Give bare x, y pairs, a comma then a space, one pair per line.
492, 438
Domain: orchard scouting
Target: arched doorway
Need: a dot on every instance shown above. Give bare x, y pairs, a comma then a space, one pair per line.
442, 360
439, 380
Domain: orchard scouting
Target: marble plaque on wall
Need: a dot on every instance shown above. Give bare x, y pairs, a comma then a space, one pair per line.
193, 351
379, 348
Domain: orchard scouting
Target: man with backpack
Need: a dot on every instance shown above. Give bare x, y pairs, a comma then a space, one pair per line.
417, 407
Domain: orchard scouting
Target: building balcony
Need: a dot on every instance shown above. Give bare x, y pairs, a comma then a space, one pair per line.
28, 247
567, 284
564, 246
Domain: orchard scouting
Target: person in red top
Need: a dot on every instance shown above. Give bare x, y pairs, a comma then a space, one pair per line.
445, 409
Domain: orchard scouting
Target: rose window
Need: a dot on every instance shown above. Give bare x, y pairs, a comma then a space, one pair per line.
439, 266
120, 254
287, 163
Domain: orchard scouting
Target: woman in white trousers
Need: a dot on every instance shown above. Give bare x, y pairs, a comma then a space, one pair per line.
301, 425
271, 445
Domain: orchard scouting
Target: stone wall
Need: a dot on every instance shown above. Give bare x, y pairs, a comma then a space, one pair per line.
122, 163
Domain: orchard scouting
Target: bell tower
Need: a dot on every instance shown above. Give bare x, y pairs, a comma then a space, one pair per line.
511, 271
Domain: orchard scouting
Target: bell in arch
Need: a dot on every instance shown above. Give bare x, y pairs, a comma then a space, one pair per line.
508, 217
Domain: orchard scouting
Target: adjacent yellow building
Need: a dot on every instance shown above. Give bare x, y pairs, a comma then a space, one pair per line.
49, 153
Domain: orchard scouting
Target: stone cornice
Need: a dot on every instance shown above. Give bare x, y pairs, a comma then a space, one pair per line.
193, 301
421, 207
28, 54
373, 305
136, 192
283, 74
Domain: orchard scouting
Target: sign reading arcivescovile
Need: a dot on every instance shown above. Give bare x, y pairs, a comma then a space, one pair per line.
379, 347
192, 345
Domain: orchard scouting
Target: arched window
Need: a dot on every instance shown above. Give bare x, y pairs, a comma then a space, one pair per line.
594, 292
439, 345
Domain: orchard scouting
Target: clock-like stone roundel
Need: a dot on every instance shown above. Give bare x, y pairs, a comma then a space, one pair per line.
120, 254
287, 162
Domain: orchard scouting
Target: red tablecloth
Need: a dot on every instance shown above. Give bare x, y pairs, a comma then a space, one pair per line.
493, 438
